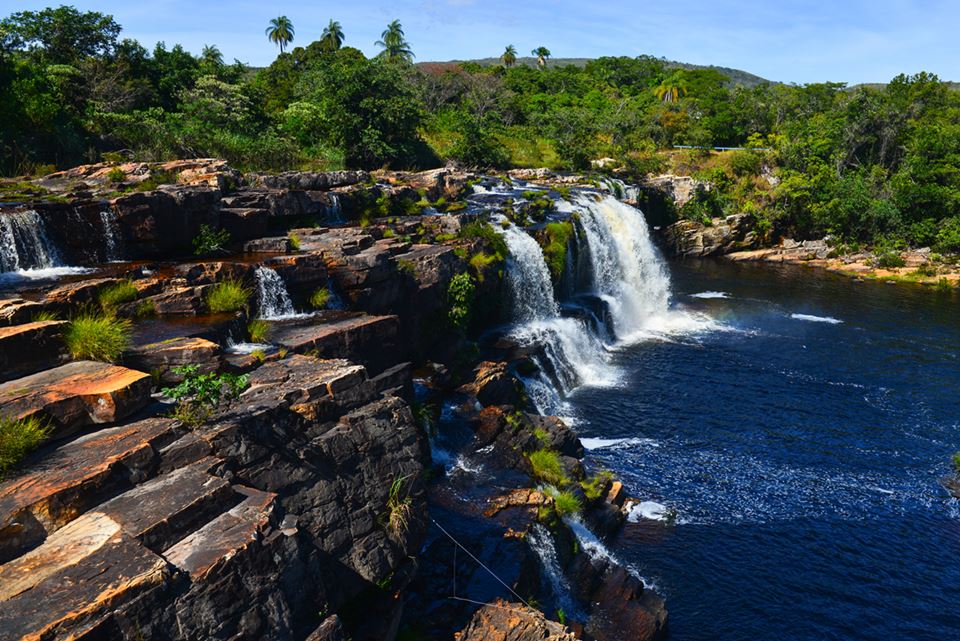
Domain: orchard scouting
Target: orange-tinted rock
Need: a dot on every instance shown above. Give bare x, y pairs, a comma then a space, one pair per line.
80, 292
370, 340
76, 395
29, 348
14, 311
503, 621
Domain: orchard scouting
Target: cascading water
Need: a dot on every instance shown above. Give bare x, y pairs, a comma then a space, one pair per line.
24, 243
274, 299
111, 235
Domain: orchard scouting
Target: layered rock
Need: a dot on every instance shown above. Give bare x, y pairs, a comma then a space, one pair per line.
723, 236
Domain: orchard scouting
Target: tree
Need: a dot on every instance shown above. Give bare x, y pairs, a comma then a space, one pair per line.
394, 44
211, 56
332, 38
280, 32
542, 54
671, 88
61, 36
509, 56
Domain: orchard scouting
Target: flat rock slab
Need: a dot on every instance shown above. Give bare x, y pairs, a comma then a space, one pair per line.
370, 340
31, 347
77, 577
76, 477
307, 385
162, 357
76, 394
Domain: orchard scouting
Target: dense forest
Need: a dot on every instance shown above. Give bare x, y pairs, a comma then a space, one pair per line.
877, 165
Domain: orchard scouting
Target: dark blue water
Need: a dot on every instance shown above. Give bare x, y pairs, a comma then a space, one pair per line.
802, 458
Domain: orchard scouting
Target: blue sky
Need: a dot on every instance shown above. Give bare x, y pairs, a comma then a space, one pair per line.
788, 40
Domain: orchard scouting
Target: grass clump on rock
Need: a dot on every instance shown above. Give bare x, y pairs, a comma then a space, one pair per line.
228, 296
257, 330
320, 298
398, 507
19, 437
547, 467
564, 503
97, 337
116, 294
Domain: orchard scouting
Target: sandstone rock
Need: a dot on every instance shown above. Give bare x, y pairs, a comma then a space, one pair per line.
245, 223
77, 293
180, 301
690, 238
15, 311
161, 358
29, 348
503, 621
76, 395
211, 272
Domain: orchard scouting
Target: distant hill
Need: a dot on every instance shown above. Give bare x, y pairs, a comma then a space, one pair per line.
737, 76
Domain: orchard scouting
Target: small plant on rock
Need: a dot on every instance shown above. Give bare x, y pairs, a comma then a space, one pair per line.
210, 240
198, 396
19, 437
116, 175
460, 298
228, 296
116, 294
257, 331
956, 462
564, 503
294, 241
98, 337
320, 298
399, 507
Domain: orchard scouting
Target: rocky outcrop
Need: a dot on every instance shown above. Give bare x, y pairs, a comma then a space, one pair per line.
503, 621
680, 189
723, 236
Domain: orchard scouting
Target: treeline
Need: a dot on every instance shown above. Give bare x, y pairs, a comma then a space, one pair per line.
875, 165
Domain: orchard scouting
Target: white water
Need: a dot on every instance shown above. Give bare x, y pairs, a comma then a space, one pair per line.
710, 295
24, 244
275, 303
111, 235
541, 542
816, 319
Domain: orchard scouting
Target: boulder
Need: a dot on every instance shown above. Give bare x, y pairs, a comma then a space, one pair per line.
504, 621
494, 384
77, 394
29, 348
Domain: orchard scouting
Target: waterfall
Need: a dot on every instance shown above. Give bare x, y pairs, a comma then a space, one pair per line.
275, 302
111, 235
541, 542
571, 354
24, 243
334, 212
627, 271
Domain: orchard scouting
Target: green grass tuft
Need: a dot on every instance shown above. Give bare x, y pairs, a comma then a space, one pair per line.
116, 294
320, 298
228, 296
548, 468
19, 437
564, 503
98, 337
257, 331
294, 242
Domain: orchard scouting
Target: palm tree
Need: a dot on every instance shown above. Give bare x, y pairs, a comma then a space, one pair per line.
509, 57
542, 53
395, 46
332, 38
671, 88
211, 56
280, 32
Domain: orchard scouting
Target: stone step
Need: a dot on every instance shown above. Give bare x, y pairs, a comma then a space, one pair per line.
369, 340
31, 347
77, 394
76, 477
162, 357
165, 509
67, 586
225, 536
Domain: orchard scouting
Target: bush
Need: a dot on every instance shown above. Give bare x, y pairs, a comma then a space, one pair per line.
460, 298
889, 259
320, 298
116, 294
257, 331
227, 296
116, 175
948, 237
97, 337
210, 240
548, 468
483, 231
198, 396
19, 437
745, 163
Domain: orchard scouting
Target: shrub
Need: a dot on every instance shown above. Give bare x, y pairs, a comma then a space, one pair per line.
547, 467
210, 240
565, 503
145, 309
116, 175
156, 179
257, 331
227, 296
19, 437
294, 242
460, 298
116, 294
398, 507
97, 337
480, 262
745, 163
320, 298
483, 231
889, 259
198, 396
948, 238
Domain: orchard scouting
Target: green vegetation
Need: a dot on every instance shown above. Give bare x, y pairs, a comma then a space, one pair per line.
399, 508
294, 241
594, 487
210, 240
461, 295
116, 175
19, 437
116, 294
493, 241
548, 468
955, 460
227, 296
555, 239
320, 298
98, 337
564, 503
199, 395
257, 330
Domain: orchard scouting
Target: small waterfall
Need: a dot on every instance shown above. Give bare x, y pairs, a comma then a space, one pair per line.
541, 542
334, 212
275, 301
628, 273
621, 190
24, 243
111, 235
